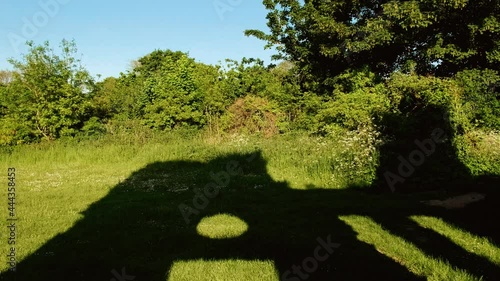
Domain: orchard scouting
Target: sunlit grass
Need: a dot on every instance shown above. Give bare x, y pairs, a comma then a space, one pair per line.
404, 252
474, 244
223, 270
222, 226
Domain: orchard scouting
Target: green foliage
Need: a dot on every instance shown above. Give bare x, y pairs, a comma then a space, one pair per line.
12, 132
175, 91
468, 100
251, 115
123, 98
153, 63
93, 127
209, 81
326, 38
171, 98
246, 77
276, 83
345, 97
48, 97
304, 111
251, 77
358, 100
422, 103
353, 110
111, 99
479, 150
481, 97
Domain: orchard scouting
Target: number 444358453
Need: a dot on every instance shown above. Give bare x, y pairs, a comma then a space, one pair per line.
12, 191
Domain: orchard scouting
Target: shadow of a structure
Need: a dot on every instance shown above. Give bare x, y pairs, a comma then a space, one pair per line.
143, 231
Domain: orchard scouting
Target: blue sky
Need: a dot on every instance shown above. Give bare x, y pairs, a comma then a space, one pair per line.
110, 34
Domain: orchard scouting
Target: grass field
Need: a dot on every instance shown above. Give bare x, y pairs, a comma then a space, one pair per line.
146, 209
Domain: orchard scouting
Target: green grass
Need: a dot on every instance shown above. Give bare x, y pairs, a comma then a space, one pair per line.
221, 226
404, 252
473, 244
88, 208
224, 270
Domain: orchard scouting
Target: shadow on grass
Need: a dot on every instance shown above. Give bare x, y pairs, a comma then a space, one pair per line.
139, 228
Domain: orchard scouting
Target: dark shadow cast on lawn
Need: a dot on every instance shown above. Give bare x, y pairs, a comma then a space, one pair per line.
138, 231
419, 158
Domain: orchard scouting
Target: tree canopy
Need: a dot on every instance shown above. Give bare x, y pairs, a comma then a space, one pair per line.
327, 37
47, 96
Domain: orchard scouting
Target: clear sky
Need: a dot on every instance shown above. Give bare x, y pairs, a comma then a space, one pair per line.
110, 34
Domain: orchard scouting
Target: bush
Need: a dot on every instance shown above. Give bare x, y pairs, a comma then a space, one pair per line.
172, 98
358, 100
479, 150
481, 97
13, 132
93, 127
253, 114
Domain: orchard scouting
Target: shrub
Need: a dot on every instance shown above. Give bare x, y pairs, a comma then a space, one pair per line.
479, 150
358, 100
93, 127
253, 114
172, 98
481, 97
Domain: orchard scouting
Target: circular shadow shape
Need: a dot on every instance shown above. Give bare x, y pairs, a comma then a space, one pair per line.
221, 226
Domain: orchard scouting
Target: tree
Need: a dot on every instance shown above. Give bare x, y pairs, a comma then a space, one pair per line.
153, 62
116, 98
171, 97
49, 94
328, 37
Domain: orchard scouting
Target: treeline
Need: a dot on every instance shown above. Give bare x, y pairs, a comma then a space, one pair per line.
50, 95
390, 67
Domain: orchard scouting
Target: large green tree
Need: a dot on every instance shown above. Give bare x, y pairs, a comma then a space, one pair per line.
48, 95
171, 97
327, 37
